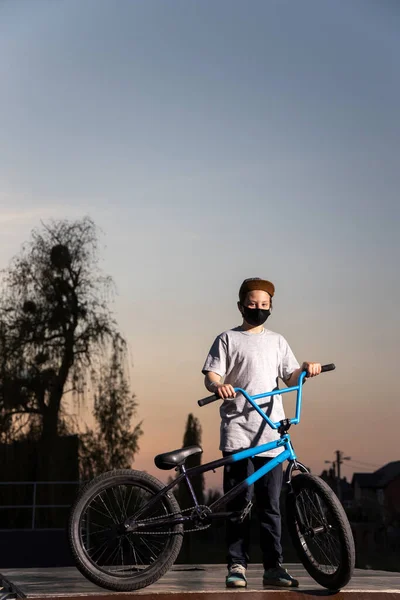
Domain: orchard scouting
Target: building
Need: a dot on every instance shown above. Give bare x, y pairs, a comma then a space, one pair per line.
377, 494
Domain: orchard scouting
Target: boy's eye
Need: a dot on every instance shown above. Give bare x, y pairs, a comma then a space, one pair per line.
252, 305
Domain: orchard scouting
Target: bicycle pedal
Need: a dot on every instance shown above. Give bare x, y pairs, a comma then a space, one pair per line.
245, 512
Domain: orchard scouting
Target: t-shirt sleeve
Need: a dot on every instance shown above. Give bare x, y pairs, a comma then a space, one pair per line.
288, 362
216, 360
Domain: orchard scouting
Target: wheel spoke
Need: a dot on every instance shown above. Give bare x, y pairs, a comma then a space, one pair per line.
106, 515
113, 553
107, 508
106, 545
152, 555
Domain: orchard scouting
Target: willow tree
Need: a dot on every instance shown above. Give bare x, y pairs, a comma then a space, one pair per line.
113, 442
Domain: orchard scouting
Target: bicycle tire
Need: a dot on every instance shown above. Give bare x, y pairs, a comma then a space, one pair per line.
333, 521
109, 486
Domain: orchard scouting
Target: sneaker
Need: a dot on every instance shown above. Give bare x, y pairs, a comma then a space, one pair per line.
236, 576
278, 576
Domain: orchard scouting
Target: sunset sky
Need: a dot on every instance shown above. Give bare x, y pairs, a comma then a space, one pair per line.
214, 141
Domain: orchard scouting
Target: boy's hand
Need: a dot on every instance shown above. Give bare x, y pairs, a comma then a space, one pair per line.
224, 390
311, 368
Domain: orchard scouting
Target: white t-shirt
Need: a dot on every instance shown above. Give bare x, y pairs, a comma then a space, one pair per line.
253, 362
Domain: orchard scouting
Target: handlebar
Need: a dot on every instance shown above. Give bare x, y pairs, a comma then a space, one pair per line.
251, 399
330, 367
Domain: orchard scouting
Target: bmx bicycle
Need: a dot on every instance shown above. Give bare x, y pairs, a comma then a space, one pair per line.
126, 527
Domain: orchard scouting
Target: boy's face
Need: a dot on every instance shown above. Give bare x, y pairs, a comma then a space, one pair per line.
258, 299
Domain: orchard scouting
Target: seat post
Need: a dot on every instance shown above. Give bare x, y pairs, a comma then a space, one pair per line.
182, 469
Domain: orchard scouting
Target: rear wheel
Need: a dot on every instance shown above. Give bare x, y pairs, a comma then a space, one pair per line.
103, 551
320, 531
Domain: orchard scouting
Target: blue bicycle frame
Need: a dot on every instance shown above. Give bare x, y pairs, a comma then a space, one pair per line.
283, 442
288, 452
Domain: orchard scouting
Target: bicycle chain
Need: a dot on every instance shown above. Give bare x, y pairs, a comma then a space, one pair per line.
171, 515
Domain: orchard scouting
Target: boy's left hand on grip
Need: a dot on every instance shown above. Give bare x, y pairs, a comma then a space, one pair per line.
311, 368
225, 390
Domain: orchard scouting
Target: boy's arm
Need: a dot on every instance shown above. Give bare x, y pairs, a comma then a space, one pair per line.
312, 369
213, 383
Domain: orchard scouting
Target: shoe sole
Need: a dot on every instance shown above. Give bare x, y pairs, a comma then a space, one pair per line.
281, 584
237, 584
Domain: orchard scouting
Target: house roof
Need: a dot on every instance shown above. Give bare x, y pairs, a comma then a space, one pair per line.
380, 478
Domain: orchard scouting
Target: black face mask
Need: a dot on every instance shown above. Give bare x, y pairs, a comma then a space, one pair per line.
255, 316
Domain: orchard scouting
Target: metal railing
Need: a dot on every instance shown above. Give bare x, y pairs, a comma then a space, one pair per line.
34, 506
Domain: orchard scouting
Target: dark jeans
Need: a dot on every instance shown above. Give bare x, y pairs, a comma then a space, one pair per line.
267, 492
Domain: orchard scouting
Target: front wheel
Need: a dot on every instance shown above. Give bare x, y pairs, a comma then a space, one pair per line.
103, 551
320, 531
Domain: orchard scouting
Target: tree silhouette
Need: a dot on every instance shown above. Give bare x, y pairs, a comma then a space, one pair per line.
55, 329
113, 443
192, 437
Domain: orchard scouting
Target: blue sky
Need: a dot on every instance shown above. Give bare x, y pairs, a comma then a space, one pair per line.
213, 141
